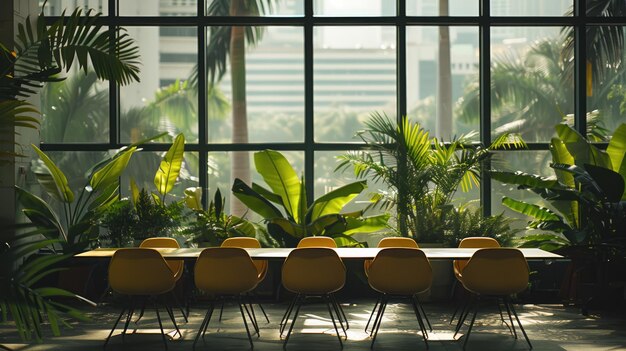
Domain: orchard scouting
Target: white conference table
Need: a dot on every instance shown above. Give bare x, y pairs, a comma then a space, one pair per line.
344, 253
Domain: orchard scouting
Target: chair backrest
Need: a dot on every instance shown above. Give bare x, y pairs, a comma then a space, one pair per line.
313, 271
225, 271
400, 271
177, 266
496, 271
394, 241
140, 271
397, 242
251, 243
317, 241
472, 242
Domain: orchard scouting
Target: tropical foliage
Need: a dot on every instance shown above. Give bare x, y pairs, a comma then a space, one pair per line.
29, 305
75, 227
298, 218
212, 226
422, 174
586, 194
42, 52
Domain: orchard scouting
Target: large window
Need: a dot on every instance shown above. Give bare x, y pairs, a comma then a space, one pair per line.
301, 76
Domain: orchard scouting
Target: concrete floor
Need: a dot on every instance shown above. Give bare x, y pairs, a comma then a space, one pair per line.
550, 327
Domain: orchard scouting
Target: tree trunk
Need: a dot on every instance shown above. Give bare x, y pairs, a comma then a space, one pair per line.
444, 82
240, 161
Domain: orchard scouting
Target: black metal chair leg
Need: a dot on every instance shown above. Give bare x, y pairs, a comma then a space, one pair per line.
283, 322
171, 314
131, 310
520, 326
338, 306
419, 304
180, 307
378, 320
143, 309
221, 311
243, 315
373, 312
119, 318
293, 321
256, 297
209, 314
156, 309
508, 311
252, 317
328, 300
338, 313
422, 326
463, 315
203, 325
469, 330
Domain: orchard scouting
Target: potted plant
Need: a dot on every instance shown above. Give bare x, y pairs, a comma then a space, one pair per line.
298, 218
422, 174
587, 216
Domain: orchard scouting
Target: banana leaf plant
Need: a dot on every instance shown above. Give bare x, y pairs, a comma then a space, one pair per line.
288, 214
75, 227
43, 52
30, 306
586, 195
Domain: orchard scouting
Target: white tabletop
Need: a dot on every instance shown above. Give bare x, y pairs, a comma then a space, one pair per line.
344, 253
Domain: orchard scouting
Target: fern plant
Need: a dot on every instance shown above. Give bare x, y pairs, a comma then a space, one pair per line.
42, 53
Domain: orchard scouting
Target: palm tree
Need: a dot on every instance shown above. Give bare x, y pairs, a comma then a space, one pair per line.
444, 84
228, 45
42, 53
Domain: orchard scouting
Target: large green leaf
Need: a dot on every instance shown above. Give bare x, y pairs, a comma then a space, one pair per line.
193, 198
560, 154
281, 178
58, 187
111, 172
169, 168
582, 151
335, 200
617, 152
294, 229
254, 201
611, 183
366, 224
534, 211
525, 179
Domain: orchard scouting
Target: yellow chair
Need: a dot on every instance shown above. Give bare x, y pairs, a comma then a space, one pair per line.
474, 242
312, 271
177, 266
325, 241
261, 265
317, 241
391, 242
225, 272
141, 272
495, 273
400, 272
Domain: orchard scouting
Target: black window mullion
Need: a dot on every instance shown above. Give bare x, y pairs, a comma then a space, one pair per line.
401, 93
309, 131
485, 100
203, 133
580, 71
114, 96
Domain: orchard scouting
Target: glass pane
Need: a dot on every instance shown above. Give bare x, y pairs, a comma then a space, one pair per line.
354, 73
56, 7
158, 8
255, 8
267, 102
442, 67
75, 110
532, 162
354, 8
532, 88
143, 167
222, 175
442, 7
531, 8
606, 79
610, 8
166, 98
